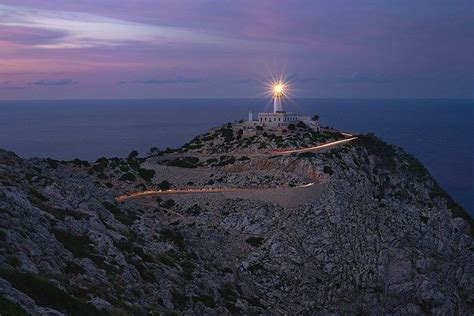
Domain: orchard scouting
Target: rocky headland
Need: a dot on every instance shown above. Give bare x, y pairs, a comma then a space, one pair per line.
358, 228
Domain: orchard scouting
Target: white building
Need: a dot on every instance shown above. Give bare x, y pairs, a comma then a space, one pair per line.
278, 117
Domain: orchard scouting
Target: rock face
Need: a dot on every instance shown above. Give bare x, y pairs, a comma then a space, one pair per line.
382, 238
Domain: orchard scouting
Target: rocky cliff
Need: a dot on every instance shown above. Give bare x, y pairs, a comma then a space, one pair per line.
381, 237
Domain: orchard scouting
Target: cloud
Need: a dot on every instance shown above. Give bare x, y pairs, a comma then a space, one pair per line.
62, 82
177, 80
68, 29
6, 85
12, 88
29, 35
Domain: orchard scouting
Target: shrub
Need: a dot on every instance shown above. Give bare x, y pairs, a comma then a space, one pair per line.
10, 308
228, 134
206, 300
174, 237
127, 177
102, 161
226, 160
79, 246
168, 204
328, 170
164, 185
179, 298
185, 162
291, 127
3, 235
46, 294
301, 125
254, 241
146, 174
154, 151
306, 155
133, 154
52, 163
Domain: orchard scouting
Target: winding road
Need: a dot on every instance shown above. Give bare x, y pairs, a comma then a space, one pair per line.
302, 150
196, 190
129, 196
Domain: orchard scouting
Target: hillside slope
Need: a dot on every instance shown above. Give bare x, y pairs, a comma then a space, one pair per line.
382, 237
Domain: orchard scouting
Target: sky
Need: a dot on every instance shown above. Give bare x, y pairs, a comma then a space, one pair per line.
99, 49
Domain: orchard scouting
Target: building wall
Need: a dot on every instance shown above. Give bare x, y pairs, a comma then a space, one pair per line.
277, 118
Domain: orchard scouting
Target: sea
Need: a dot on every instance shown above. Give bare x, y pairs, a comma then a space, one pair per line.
439, 132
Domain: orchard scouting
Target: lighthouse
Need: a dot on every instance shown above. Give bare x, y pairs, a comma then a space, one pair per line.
279, 118
278, 93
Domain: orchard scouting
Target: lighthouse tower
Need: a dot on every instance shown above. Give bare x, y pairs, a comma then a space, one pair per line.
277, 98
279, 118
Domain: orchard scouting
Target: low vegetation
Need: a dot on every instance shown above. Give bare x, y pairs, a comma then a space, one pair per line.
46, 294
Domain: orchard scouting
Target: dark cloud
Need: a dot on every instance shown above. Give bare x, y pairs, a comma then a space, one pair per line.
62, 82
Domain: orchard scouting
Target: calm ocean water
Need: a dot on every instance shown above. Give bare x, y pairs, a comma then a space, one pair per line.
438, 132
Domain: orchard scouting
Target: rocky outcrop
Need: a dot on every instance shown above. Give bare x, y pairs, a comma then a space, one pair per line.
382, 238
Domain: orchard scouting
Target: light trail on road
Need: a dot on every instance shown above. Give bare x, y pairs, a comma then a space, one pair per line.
197, 190
301, 150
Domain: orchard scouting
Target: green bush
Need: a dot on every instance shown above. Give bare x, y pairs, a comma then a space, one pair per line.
146, 174
226, 160
254, 241
174, 237
133, 154
127, 177
10, 308
168, 203
46, 294
301, 125
3, 235
79, 246
52, 163
185, 162
328, 170
179, 298
164, 185
206, 299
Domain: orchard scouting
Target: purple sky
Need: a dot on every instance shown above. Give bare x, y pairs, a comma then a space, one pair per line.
57, 49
